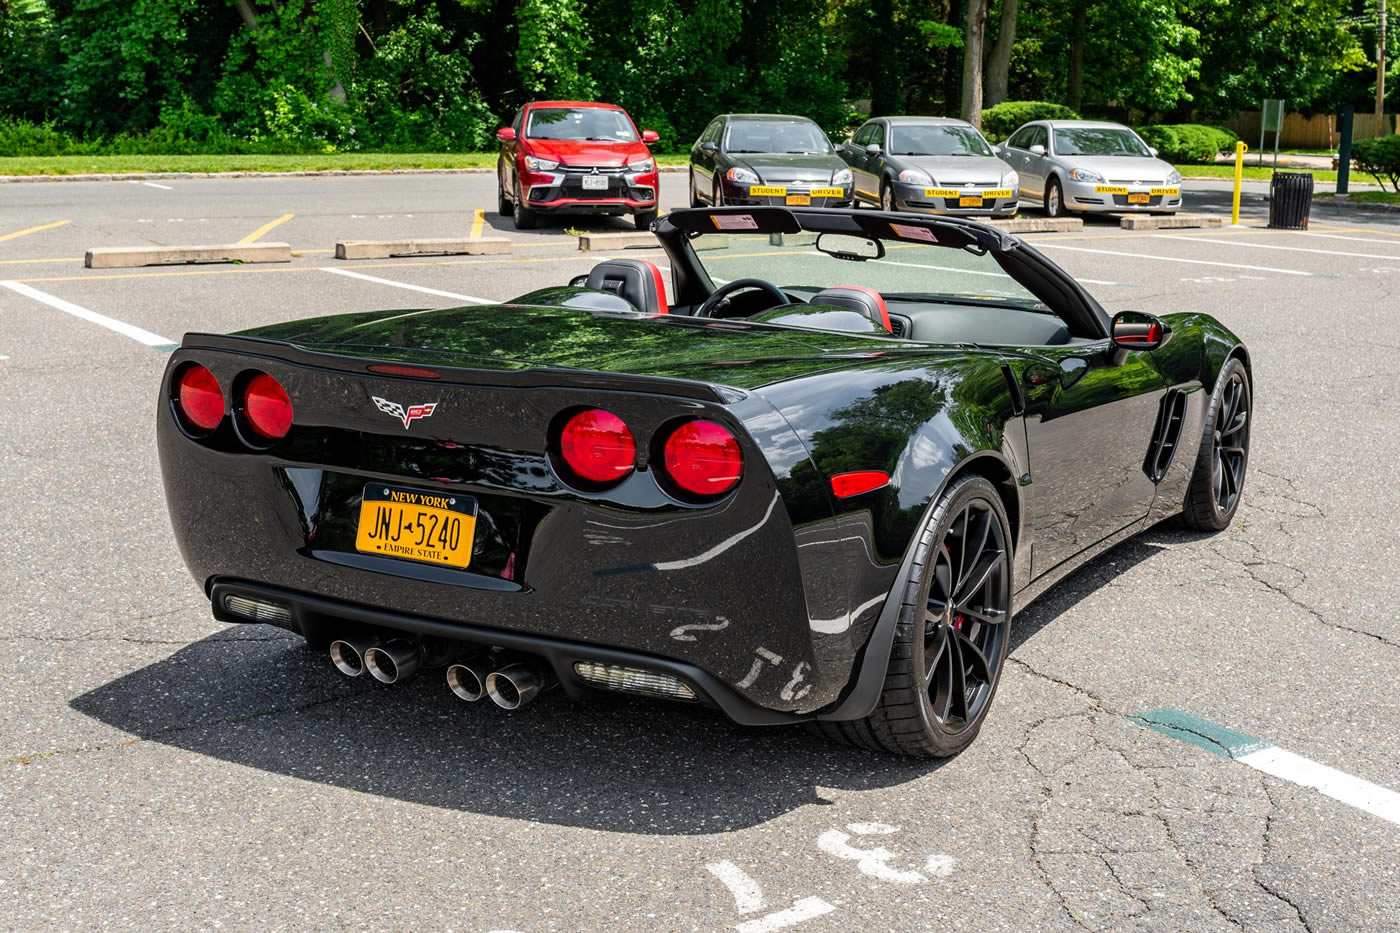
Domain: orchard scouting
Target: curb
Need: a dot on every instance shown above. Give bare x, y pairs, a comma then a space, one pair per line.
326, 173
126, 257
1347, 204
385, 249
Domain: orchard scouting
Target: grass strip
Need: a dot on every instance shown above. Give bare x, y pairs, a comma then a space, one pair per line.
338, 161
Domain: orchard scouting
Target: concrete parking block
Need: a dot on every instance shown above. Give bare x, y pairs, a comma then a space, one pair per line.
447, 246
1169, 221
1038, 224
587, 242
123, 257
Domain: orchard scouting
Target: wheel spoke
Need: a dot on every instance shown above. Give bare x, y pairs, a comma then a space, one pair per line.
1232, 451
975, 660
978, 576
957, 682
931, 664
984, 615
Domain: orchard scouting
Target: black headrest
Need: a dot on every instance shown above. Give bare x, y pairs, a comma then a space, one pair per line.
858, 298
636, 280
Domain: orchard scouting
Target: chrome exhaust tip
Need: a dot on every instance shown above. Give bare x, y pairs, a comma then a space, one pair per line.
348, 654
467, 679
514, 685
394, 660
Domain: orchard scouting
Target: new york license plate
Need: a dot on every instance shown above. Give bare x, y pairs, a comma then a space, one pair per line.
415, 524
801, 200
1138, 197
595, 182
970, 201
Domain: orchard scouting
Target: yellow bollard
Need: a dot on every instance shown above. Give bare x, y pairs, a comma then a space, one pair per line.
1240, 150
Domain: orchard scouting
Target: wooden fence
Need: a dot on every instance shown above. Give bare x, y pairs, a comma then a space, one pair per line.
1300, 132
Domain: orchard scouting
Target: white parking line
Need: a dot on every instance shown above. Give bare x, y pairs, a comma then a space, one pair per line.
1293, 249
121, 327
413, 288
995, 275
1192, 262
1339, 236
1362, 794
151, 184
805, 909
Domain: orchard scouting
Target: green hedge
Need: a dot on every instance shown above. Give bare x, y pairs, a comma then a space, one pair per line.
1379, 156
1188, 142
1002, 120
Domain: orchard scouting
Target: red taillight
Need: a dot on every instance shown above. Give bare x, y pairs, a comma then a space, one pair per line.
199, 398
703, 459
597, 446
267, 408
853, 484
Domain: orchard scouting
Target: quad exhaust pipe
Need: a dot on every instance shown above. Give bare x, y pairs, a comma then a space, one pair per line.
348, 654
514, 685
467, 679
393, 660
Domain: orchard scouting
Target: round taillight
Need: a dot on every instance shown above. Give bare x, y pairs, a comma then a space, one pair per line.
199, 398
597, 446
267, 408
702, 458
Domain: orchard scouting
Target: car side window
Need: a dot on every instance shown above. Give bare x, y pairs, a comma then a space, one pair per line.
863, 134
519, 120
712, 131
878, 135
1018, 138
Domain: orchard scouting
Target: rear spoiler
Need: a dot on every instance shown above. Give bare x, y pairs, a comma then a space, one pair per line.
529, 377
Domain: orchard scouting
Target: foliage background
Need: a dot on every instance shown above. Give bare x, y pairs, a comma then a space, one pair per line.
254, 76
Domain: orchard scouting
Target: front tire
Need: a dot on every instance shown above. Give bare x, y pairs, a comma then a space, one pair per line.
524, 217
643, 220
717, 194
694, 193
1055, 199
1217, 482
503, 205
952, 635
887, 201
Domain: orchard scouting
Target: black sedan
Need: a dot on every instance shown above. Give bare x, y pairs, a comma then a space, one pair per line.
767, 158
812, 482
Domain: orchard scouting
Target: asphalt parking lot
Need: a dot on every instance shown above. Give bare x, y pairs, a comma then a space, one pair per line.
161, 770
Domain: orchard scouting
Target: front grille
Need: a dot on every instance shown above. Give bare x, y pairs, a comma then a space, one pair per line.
1138, 182
1121, 200
589, 169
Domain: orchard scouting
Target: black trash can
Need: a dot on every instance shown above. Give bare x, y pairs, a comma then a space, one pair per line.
1290, 200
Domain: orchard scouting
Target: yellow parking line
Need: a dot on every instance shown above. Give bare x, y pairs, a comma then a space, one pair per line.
253, 237
19, 233
478, 219
21, 262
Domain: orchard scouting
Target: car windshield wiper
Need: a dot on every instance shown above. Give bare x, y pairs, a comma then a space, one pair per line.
605, 139
745, 150
802, 152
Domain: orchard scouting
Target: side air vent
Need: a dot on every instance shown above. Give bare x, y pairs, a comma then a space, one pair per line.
1166, 435
898, 327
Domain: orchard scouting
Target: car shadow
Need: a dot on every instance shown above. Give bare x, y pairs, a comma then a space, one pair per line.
258, 697
555, 224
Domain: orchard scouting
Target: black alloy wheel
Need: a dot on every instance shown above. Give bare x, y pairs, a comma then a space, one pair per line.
1054, 199
952, 635
1223, 459
524, 217
694, 194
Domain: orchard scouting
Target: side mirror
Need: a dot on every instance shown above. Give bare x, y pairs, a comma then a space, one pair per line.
872, 149
1038, 149
1135, 330
650, 136
710, 146
996, 150
505, 134
1153, 150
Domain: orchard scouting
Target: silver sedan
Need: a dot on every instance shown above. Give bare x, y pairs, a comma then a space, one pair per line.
1085, 165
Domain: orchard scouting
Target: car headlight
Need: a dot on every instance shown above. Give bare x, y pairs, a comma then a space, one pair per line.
843, 177
540, 165
1010, 180
741, 176
1173, 177
915, 177
1083, 174
645, 165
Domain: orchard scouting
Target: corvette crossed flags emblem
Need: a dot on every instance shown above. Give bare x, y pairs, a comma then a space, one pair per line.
407, 416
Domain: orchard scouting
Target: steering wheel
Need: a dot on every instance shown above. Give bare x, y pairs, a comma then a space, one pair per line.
721, 294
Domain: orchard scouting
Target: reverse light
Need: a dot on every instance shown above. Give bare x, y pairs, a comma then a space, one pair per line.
1083, 174
913, 176
702, 459
855, 483
198, 398
258, 610
267, 409
741, 176
843, 177
536, 164
597, 446
645, 165
633, 680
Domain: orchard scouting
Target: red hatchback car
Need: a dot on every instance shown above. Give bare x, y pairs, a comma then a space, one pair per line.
574, 157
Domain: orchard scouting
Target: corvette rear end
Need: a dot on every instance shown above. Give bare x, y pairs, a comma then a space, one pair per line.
521, 524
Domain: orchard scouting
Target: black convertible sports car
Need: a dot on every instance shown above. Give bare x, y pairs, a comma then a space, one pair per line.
813, 484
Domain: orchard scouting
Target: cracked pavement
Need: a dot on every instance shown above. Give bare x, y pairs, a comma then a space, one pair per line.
160, 770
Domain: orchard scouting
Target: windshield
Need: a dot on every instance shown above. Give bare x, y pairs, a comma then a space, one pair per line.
937, 140
908, 271
580, 123
776, 136
1099, 141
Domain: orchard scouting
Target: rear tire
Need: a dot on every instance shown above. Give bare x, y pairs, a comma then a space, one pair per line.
1054, 199
524, 217
952, 635
1217, 482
